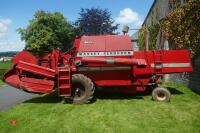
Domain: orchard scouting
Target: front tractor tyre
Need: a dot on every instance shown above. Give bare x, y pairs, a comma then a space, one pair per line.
82, 90
161, 94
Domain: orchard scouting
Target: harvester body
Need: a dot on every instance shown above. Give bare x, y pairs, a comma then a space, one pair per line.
107, 60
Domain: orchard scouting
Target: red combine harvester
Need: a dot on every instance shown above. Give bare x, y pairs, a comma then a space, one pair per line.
97, 61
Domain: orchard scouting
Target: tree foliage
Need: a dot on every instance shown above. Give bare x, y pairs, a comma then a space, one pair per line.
94, 21
141, 38
151, 34
47, 31
182, 27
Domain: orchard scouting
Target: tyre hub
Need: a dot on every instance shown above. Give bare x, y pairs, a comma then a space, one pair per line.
161, 96
78, 91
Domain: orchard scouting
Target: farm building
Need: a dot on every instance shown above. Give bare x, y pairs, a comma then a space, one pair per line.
158, 11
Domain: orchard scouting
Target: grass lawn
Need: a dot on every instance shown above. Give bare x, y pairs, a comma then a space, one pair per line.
1, 82
3, 67
110, 113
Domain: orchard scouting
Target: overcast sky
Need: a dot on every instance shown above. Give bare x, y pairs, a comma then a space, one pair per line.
16, 14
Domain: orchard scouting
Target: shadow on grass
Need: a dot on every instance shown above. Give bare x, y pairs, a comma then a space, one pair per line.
115, 95
174, 91
101, 94
47, 98
196, 91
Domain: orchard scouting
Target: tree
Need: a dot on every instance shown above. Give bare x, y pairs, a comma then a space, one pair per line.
94, 21
47, 31
182, 27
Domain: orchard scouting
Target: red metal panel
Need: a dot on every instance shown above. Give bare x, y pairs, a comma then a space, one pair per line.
13, 80
109, 77
24, 56
105, 43
118, 43
113, 82
36, 69
37, 85
176, 61
92, 43
77, 43
147, 70
11, 77
172, 61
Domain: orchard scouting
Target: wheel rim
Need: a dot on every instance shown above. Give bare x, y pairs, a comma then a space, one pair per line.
161, 96
78, 91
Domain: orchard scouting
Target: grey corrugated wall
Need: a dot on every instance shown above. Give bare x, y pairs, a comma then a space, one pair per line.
194, 82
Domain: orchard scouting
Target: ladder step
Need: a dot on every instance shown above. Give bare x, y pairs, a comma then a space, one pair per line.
64, 78
64, 81
64, 87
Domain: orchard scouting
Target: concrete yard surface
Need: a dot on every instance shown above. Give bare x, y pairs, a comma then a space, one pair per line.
10, 96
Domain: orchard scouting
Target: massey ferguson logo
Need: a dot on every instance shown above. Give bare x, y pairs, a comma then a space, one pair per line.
111, 53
